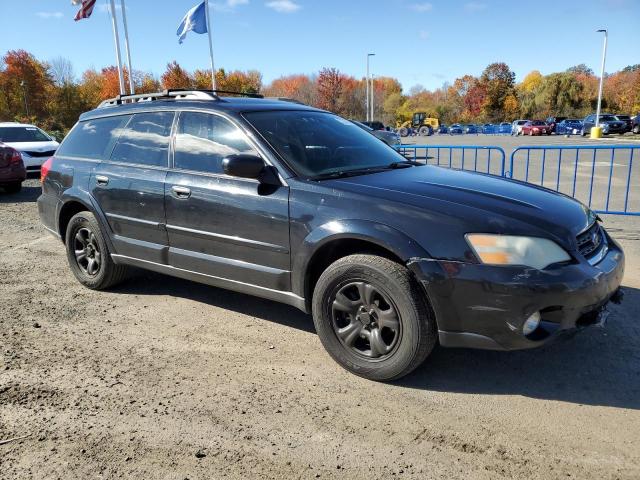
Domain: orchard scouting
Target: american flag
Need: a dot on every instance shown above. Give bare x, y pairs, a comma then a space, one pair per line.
85, 10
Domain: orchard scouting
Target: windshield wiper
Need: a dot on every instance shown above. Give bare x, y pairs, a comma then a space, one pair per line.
349, 173
405, 163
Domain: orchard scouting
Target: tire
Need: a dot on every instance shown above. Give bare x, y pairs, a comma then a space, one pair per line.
84, 235
636, 129
13, 187
403, 131
583, 133
402, 344
424, 131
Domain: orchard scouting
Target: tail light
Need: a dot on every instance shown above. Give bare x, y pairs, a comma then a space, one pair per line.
16, 158
44, 170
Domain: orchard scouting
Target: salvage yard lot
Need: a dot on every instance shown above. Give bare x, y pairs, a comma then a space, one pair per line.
163, 378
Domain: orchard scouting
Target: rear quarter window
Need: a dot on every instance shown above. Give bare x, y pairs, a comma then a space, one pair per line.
93, 139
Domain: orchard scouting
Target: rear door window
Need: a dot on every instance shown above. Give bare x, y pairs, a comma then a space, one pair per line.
144, 140
93, 138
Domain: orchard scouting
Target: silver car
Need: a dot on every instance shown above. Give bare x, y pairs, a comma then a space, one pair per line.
390, 138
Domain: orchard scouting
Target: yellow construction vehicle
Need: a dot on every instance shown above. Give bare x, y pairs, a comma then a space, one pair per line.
420, 124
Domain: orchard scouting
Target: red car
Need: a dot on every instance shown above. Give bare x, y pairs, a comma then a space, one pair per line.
12, 171
536, 127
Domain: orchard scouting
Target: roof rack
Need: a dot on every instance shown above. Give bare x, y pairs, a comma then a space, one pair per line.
287, 99
172, 94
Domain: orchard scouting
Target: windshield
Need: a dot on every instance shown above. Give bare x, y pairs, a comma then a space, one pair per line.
23, 134
318, 143
538, 122
607, 118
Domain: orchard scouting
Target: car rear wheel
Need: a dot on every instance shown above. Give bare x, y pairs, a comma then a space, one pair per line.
636, 129
13, 187
372, 317
88, 254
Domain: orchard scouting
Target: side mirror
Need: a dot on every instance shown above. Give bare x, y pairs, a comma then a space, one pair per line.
246, 165
243, 165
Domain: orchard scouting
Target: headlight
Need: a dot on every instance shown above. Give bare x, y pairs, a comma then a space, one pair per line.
513, 250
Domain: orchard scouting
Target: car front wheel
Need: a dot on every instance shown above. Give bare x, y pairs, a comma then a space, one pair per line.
88, 254
372, 317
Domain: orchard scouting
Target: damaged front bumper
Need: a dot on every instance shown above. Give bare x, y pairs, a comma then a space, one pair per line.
484, 306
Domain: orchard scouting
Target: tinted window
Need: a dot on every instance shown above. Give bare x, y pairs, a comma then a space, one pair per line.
23, 134
607, 118
145, 139
203, 140
316, 143
92, 138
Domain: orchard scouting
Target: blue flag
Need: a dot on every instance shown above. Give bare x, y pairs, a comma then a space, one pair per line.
195, 19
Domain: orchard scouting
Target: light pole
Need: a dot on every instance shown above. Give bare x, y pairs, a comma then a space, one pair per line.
24, 94
604, 57
369, 55
373, 96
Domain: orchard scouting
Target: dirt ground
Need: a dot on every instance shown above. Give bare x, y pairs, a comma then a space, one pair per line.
166, 379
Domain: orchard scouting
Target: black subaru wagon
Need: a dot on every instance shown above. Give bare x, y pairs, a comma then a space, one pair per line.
298, 205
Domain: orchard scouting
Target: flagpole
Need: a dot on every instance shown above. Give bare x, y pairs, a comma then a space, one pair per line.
126, 47
213, 70
116, 39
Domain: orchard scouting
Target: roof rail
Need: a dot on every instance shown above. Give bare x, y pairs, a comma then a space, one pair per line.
172, 93
287, 99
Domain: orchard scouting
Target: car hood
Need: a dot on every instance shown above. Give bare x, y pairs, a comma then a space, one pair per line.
492, 203
34, 146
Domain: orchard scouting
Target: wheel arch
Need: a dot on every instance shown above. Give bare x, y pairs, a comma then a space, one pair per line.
75, 202
335, 240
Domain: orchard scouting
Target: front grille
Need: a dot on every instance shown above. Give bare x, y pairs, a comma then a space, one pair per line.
591, 241
48, 153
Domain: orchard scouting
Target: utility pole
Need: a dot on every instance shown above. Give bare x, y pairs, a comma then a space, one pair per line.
367, 104
24, 94
604, 57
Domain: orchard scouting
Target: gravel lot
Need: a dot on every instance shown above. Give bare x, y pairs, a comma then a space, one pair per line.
166, 379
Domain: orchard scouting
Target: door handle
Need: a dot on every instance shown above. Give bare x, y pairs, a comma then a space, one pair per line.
102, 180
181, 192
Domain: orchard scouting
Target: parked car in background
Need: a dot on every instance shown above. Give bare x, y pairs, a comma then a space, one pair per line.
442, 129
12, 171
635, 124
471, 129
390, 138
504, 127
569, 126
516, 127
34, 144
456, 129
536, 127
301, 206
375, 125
553, 121
609, 123
488, 128
627, 120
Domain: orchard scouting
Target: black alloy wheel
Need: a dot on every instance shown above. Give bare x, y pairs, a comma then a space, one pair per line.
365, 320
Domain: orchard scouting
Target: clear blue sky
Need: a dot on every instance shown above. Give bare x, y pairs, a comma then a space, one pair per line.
418, 42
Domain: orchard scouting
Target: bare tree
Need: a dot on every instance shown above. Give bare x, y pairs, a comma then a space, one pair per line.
62, 71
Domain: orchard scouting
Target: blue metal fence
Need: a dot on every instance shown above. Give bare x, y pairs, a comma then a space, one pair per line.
477, 158
601, 176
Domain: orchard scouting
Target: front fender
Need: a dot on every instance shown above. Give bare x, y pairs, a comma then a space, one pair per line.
379, 234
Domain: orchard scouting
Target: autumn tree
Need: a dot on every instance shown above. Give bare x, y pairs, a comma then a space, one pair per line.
25, 84
497, 81
176, 77
330, 83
